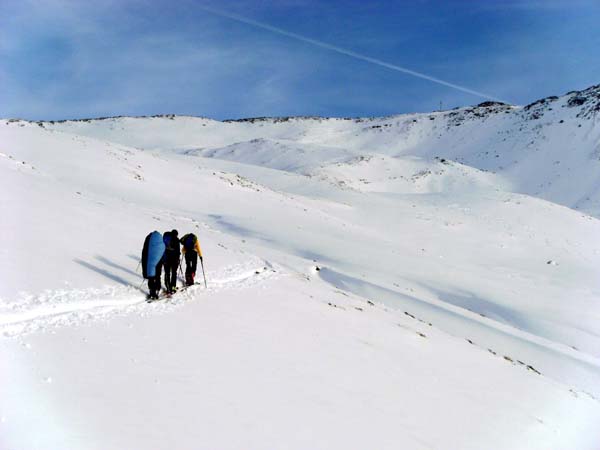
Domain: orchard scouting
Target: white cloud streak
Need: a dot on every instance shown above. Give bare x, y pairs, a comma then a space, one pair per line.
346, 52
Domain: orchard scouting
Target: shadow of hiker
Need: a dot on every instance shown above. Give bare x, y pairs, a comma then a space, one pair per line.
108, 262
136, 258
103, 272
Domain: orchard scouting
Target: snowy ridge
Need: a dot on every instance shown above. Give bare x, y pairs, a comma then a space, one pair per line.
538, 149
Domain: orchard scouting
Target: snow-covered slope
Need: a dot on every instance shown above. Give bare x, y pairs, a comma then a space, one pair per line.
549, 149
420, 281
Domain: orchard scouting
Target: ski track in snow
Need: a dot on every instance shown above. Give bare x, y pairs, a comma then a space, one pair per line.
72, 307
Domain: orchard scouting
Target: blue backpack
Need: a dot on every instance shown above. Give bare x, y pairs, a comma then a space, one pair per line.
152, 253
189, 242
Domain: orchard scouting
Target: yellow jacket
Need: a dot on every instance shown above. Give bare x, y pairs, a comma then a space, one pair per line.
196, 246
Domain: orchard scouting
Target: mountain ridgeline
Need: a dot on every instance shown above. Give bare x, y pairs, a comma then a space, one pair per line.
548, 149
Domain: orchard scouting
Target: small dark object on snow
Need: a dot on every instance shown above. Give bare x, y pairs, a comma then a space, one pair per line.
370, 303
508, 358
488, 104
576, 101
317, 268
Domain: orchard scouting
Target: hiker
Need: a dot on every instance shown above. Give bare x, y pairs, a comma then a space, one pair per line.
191, 251
152, 261
171, 259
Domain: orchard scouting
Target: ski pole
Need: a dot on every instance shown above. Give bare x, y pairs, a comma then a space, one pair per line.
138, 266
202, 264
180, 271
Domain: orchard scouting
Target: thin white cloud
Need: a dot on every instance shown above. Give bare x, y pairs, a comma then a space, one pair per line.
534, 5
347, 52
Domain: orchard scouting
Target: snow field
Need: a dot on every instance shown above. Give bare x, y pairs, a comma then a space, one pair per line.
297, 363
418, 281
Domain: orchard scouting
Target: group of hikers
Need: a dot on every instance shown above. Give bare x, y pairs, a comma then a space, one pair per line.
165, 250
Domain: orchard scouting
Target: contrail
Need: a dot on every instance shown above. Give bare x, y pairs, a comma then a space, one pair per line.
346, 52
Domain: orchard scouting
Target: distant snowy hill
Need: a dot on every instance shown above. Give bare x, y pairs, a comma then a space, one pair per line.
549, 149
417, 281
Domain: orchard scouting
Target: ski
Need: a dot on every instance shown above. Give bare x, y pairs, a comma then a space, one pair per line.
165, 296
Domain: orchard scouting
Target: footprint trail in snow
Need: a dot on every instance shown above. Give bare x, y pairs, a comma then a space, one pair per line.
72, 307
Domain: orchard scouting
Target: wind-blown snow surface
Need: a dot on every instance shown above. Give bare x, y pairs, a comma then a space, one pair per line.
422, 281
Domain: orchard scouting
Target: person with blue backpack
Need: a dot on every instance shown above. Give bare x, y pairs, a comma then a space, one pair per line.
191, 251
152, 261
171, 260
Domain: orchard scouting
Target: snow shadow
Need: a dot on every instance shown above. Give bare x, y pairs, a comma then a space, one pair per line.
114, 265
103, 272
485, 308
368, 290
453, 319
233, 228
464, 300
239, 230
313, 256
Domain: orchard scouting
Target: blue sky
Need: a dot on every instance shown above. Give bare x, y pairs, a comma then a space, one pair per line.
73, 59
